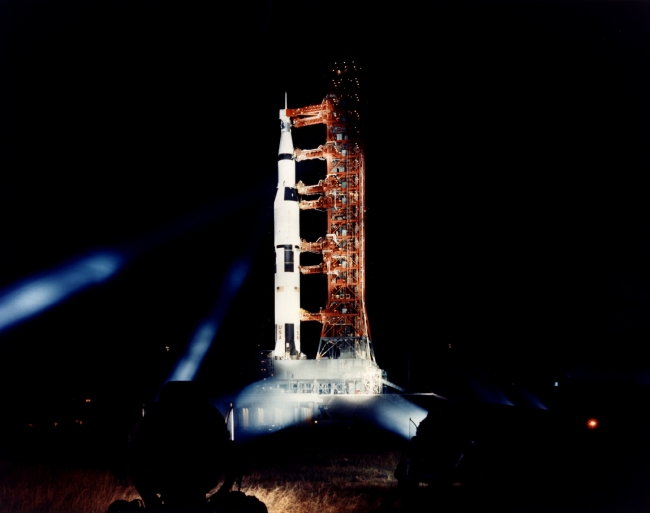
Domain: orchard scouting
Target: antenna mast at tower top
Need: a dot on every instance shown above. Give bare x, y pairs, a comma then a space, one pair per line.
341, 194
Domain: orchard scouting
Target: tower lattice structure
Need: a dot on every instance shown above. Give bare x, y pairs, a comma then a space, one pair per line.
341, 194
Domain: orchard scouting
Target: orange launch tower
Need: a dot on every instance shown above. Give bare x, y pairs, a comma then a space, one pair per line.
341, 194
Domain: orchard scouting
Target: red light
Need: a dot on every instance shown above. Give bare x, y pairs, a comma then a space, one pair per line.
592, 423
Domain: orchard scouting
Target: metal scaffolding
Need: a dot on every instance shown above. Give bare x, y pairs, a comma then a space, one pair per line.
341, 194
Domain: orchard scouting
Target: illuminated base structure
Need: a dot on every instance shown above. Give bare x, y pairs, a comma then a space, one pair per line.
325, 390
328, 377
322, 391
302, 391
274, 405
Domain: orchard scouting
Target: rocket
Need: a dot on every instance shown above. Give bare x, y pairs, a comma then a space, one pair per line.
286, 223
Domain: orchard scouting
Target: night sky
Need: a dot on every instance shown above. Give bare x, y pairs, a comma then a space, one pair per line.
507, 158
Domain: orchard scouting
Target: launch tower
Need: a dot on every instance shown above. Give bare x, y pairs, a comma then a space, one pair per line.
341, 194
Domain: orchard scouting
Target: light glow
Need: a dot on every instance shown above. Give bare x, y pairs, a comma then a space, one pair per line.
46, 290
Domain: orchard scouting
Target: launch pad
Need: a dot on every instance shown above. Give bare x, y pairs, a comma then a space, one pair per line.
270, 406
325, 376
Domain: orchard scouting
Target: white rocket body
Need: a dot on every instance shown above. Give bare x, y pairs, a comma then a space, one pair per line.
286, 219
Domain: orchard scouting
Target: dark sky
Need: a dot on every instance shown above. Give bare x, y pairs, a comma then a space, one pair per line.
507, 163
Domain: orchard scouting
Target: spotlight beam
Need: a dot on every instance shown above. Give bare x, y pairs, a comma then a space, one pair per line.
41, 292
189, 364
36, 294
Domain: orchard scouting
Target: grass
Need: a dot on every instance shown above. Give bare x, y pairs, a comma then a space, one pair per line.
327, 484
311, 482
38, 487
